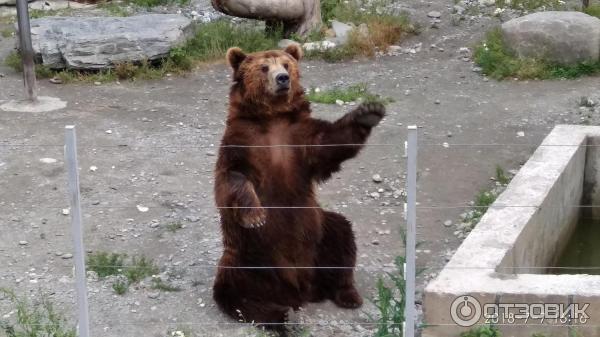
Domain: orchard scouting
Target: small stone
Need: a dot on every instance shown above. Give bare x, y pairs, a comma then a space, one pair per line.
375, 242
192, 218
447, 223
154, 295
520, 134
93, 168
48, 160
23, 243
437, 101
374, 195
56, 80
339, 102
66, 211
142, 209
434, 14
67, 256
108, 132
97, 83
377, 178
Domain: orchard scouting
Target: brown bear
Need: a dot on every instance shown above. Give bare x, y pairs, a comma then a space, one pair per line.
277, 241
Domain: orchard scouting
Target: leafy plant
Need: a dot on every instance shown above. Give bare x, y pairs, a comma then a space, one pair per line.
390, 302
37, 319
120, 287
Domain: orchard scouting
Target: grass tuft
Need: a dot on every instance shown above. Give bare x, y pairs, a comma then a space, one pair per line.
6, 33
390, 303
353, 93
501, 176
106, 264
113, 264
37, 319
384, 29
496, 61
482, 331
530, 5
593, 10
159, 284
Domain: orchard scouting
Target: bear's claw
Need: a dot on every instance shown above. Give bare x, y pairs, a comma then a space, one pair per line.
369, 114
255, 220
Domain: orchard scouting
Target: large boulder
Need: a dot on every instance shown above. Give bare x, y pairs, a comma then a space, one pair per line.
102, 42
562, 37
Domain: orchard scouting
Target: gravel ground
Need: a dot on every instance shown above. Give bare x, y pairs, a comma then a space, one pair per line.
151, 144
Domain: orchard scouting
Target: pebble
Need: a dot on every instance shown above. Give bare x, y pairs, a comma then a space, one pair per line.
448, 223
434, 14
154, 295
142, 209
339, 102
377, 178
67, 256
23, 243
375, 195
66, 211
48, 160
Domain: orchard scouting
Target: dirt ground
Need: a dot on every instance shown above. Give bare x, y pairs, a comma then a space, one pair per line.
152, 144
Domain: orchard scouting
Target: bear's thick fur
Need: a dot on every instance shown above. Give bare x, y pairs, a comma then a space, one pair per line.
259, 176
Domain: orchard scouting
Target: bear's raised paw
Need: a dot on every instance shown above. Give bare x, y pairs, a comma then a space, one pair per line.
369, 114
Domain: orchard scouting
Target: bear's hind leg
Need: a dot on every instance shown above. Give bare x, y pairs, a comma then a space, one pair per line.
337, 249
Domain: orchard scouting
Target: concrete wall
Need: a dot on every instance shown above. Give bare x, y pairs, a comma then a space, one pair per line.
492, 262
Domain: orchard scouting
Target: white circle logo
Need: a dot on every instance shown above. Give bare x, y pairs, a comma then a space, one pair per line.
465, 311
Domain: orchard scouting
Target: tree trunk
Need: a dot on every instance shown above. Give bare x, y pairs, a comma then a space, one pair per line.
295, 16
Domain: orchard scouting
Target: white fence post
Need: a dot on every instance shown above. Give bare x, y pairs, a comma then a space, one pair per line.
411, 233
83, 326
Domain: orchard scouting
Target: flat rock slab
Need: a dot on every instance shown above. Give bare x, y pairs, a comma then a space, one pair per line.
102, 42
562, 37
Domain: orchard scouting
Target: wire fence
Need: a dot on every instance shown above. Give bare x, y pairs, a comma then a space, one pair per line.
400, 206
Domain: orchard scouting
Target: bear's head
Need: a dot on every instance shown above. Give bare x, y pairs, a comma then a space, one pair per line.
268, 78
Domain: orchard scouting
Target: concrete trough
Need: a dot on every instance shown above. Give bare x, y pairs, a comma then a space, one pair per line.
501, 267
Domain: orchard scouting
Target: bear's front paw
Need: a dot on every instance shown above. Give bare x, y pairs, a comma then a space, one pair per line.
369, 114
254, 217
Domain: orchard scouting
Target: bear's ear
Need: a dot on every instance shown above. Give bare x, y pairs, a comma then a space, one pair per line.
235, 57
295, 50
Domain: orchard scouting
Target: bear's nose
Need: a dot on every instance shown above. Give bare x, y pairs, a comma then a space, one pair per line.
283, 79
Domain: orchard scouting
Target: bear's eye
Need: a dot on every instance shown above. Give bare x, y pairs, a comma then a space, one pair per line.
286, 66
265, 69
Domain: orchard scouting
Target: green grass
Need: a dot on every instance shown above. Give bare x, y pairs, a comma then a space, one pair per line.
106, 264
501, 176
353, 93
6, 33
384, 29
174, 226
34, 319
495, 60
115, 8
120, 287
593, 10
159, 284
482, 331
530, 5
134, 269
390, 303
484, 199
40, 13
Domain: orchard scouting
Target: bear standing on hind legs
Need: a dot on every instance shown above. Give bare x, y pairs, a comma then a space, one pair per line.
272, 156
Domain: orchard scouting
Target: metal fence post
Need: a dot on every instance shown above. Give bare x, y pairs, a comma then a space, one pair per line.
83, 325
411, 233
27, 56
